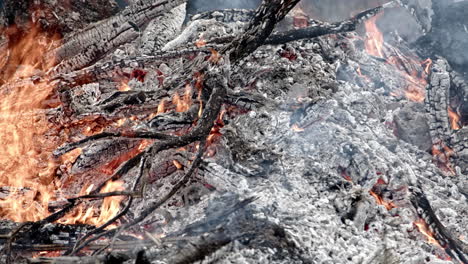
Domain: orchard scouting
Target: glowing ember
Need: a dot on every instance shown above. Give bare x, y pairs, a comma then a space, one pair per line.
424, 229
296, 128
215, 56
124, 87
177, 164
454, 119
200, 43
374, 41
442, 154
381, 201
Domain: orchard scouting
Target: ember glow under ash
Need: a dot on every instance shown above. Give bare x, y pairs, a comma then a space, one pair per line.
29, 138
388, 205
424, 229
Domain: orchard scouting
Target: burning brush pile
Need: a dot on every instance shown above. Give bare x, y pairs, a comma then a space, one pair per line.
159, 132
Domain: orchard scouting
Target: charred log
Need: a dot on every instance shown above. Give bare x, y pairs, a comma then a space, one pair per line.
86, 47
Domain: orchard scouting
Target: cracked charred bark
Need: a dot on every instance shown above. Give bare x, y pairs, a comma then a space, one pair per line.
86, 47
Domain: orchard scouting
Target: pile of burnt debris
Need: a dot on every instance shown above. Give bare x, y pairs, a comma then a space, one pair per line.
281, 131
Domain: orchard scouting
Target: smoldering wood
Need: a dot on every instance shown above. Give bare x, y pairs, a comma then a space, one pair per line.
446, 92
454, 247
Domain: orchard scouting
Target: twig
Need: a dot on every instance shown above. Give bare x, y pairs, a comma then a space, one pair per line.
108, 135
104, 195
80, 243
9, 243
155, 205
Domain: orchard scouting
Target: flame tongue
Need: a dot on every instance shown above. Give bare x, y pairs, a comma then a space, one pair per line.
25, 158
28, 138
424, 229
416, 82
374, 40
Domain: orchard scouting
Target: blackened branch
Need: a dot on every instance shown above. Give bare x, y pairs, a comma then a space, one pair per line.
454, 247
319, 28
80, 244
262, 24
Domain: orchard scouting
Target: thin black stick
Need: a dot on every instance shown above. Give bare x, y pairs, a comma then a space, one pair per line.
155, 205
80, 243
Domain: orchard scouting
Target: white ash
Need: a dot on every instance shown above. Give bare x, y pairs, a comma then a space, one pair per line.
296, 175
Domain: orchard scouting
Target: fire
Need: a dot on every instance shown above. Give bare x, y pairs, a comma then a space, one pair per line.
415, 90
27, 136
441, 155
183, 103
428, 64
161, 107
424, 229
374, 40
177, 164
454, 119
25, 156
109, 208
388, 205
415, 82
200, 42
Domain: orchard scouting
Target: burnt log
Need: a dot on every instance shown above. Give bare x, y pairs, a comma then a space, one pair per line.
86, 47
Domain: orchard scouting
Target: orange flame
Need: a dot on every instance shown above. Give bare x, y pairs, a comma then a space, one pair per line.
109, 208
183, 104
441, 155
374, 40
428, 64
25, 158
388, 205
177, 164
161, 107
415, 84
424, 229
29, 138
454, 119
200, 42
124, 87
